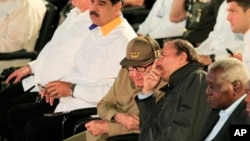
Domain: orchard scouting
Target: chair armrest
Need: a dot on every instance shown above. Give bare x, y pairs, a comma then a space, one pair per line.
85, 112
21, 54
70, 120
125, 137
80, 125
6, 72
56, 114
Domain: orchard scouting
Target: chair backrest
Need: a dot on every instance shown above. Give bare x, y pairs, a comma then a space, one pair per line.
48, 27
149, 4
59, 3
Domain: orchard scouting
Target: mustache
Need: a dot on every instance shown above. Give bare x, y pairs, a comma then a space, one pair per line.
94, 13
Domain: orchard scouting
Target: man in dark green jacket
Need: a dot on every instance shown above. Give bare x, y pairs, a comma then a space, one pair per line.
180, 114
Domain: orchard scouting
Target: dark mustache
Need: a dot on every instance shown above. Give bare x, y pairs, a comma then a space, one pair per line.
94, 13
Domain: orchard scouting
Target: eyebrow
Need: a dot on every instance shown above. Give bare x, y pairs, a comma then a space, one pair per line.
103, 2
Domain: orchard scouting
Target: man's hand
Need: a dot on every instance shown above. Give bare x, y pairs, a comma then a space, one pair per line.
56, 89
129, 121
205, 59
138, 3
237, 55
97, 127
151, 78
18, 74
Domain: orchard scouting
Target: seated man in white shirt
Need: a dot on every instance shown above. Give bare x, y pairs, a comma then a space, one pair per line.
240, 23
95, 67
226, 83
52, 63
214, 47
20, 22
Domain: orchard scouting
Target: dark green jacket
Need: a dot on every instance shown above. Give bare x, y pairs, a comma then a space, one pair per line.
180, 113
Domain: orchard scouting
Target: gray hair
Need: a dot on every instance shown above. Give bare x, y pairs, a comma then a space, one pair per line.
233, 70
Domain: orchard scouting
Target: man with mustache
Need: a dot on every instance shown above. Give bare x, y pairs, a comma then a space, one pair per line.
95, 67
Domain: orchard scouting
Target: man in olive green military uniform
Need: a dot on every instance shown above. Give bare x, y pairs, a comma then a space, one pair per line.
118, 110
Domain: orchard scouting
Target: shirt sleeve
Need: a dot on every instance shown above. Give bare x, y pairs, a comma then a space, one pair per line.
98, 89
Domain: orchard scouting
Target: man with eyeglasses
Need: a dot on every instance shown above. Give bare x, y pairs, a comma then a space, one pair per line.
180, 113
117, 109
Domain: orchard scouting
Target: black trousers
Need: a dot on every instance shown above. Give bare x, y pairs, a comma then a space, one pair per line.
27, 123
9, 97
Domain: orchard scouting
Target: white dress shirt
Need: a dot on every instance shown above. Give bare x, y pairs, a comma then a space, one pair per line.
20, 22
97, 63
246, 57
57, 57
157, 24
221, 38
224, 115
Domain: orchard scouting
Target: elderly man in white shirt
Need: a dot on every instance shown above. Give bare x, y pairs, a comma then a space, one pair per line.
96, 66
20, 22
226, 84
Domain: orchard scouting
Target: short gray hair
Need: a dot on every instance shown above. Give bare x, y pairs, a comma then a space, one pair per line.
233, 70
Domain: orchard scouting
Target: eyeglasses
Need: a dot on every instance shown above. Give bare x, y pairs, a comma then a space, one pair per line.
139, 68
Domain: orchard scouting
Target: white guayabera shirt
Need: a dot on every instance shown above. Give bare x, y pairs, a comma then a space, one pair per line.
20, 22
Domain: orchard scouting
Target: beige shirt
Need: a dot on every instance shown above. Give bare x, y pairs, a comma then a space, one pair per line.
121, 98
20, 22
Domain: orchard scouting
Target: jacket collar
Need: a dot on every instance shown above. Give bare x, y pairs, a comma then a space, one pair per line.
180, 75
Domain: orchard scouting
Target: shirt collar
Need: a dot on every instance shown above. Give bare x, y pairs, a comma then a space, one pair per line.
232, 107
108, 27
247, 35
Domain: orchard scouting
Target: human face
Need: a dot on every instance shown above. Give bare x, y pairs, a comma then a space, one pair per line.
103, 12
138, 77
169, 61
83, 5
239, 20
220, 91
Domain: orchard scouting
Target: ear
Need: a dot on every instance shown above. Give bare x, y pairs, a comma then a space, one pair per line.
236, 86
118, 7
183, 58
248, 12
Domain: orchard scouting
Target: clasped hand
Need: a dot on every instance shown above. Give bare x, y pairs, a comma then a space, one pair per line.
54, 90
100, 127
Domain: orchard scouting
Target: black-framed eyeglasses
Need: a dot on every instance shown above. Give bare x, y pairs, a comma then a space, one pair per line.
139, 68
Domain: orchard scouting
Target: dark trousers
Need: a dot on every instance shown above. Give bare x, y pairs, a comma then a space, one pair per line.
27, 123
9, 97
